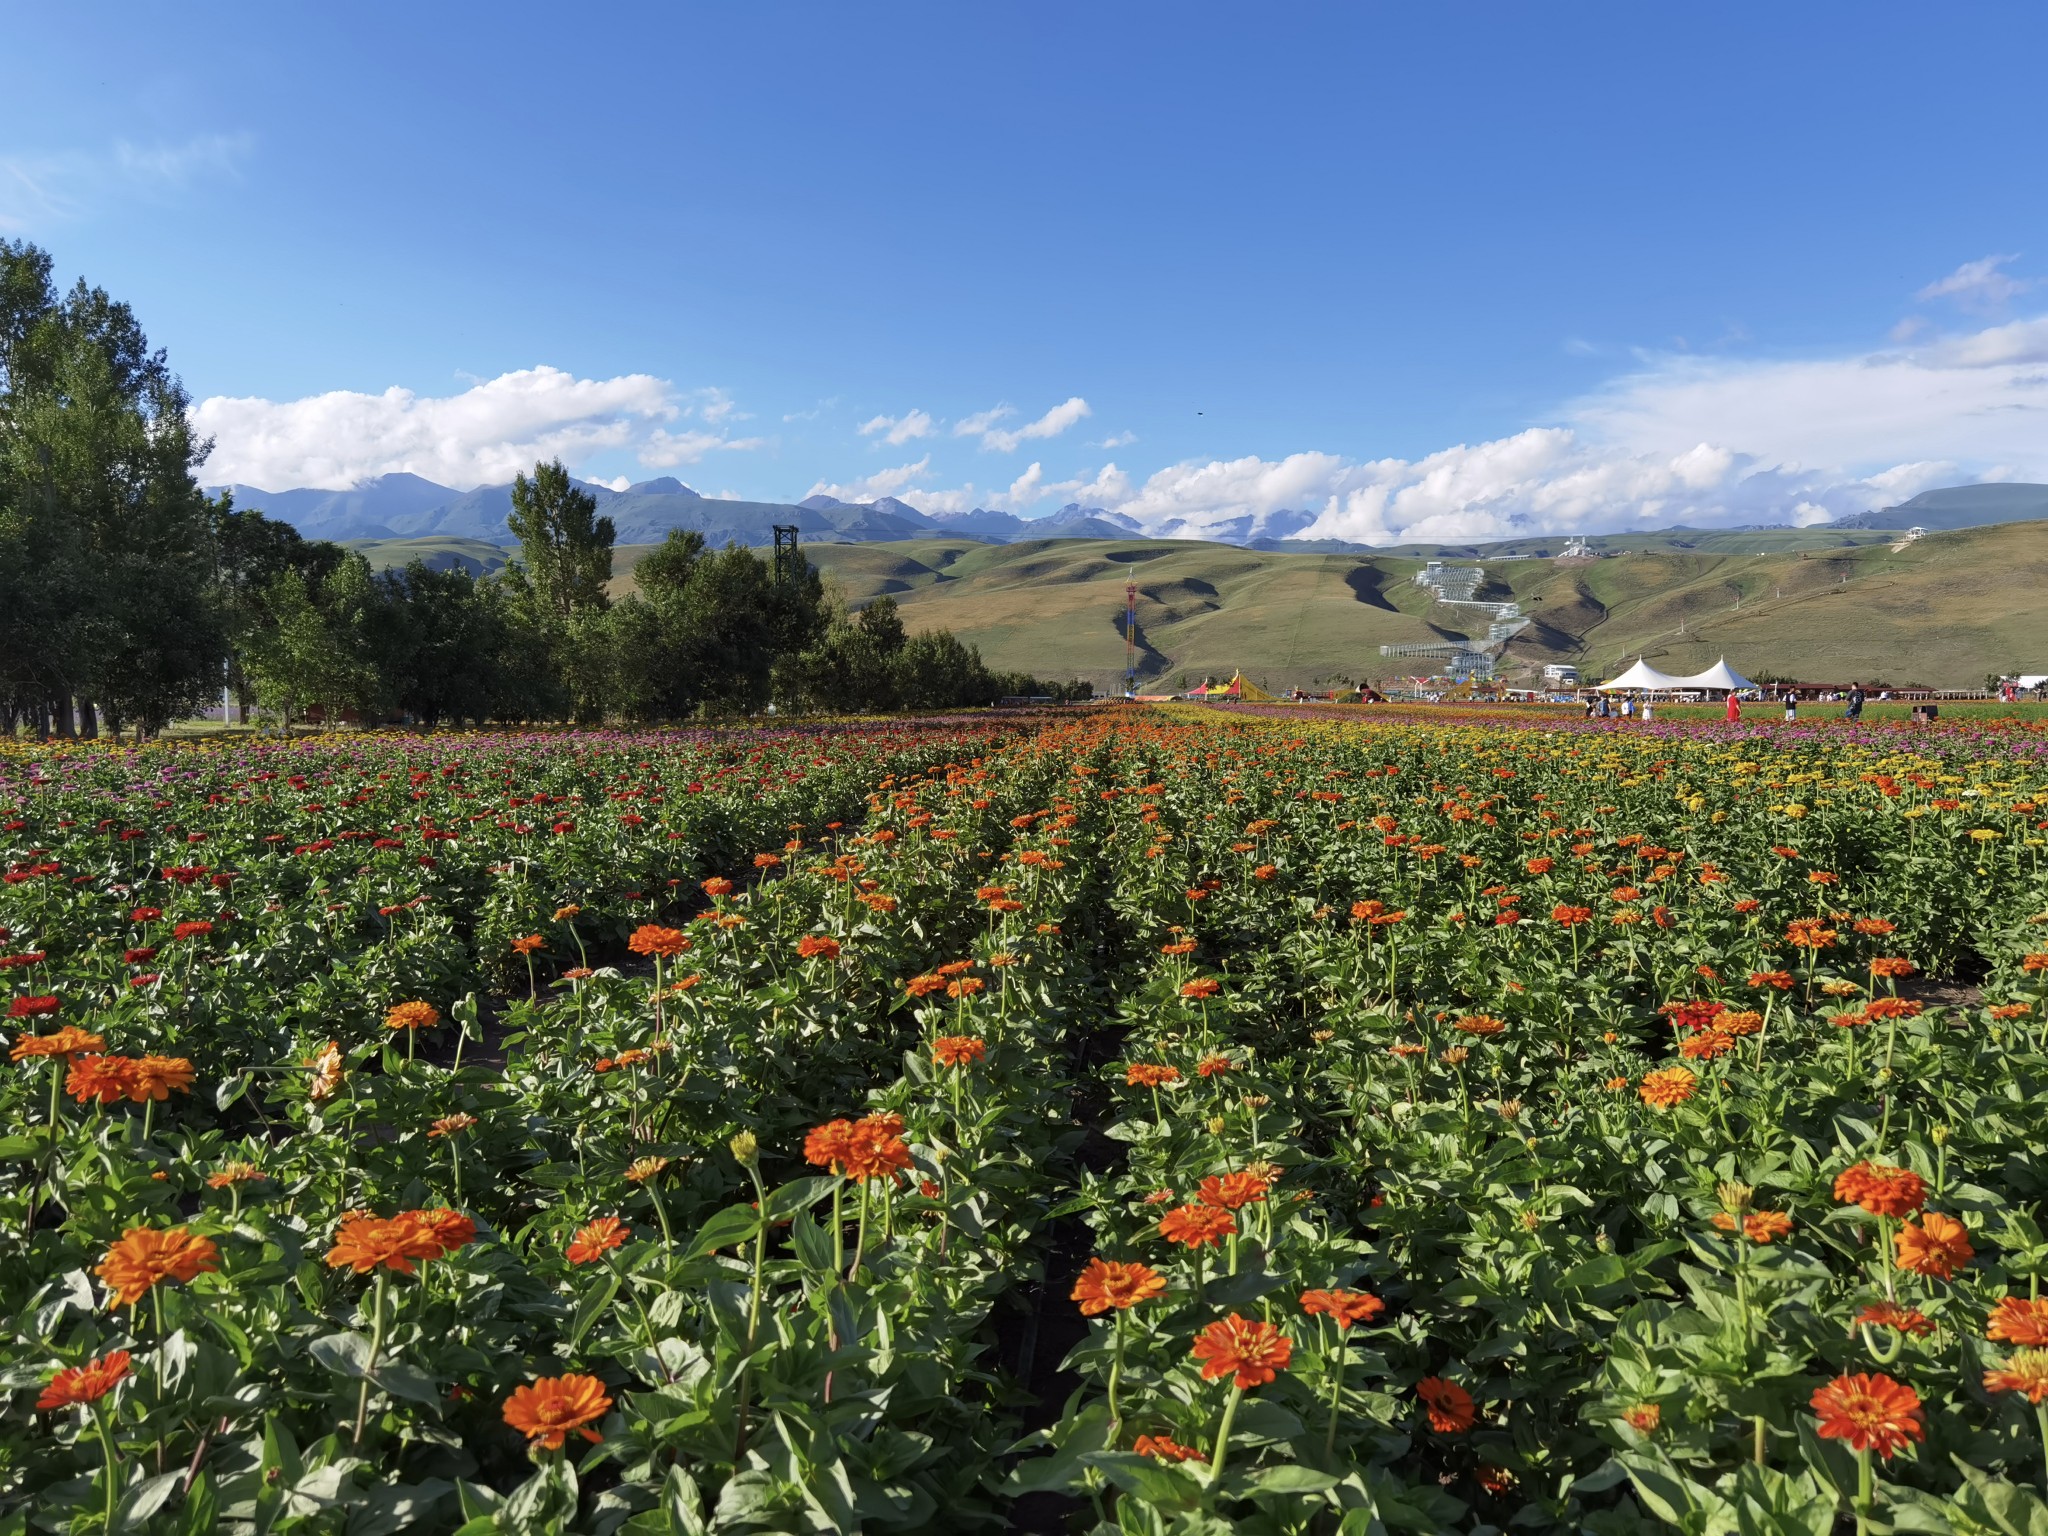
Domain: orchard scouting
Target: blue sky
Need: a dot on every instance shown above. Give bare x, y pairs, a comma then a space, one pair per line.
1439, 270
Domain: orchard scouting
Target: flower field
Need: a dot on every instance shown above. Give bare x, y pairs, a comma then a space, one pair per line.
1130, 1121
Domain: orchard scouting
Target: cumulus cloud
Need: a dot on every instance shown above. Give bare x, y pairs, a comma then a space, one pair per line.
883, 482
898, 430
1710, 442
1005, 440
481, 436
1978, 284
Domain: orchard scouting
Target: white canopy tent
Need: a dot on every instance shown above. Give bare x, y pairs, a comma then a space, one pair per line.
1644, 678
1720, 677
1641, 676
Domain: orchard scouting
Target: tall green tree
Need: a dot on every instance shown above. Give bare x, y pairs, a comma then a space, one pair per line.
565, 546
100, 513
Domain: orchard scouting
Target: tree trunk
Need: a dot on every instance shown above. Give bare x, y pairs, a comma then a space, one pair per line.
65, 727
88, 720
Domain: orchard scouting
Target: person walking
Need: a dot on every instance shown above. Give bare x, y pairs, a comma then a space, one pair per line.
1791, 707
1856, 697
1734, 709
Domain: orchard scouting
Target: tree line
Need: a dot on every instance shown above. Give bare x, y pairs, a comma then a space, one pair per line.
129, 598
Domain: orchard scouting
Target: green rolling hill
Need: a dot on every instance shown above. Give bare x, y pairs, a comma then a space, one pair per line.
1818, 604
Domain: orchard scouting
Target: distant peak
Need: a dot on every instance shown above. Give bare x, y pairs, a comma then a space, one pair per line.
820, 503
665, 485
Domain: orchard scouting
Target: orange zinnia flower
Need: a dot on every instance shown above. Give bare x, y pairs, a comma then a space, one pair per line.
1232, 1191
1479, 1024
364, 1242
652, 939
451, 1125
1250, 1353
1766, 1226
1107, 1283
327, 1072
1146, 1074
1201, 986
2025, 1373
958, 1050
1668, 1088
2016, 1320
1212, 1066
1644, 1418
1197, 1225
875, 1149
81, 1384
1566, 916
815, 946
1889, 1314
107, 1079
825, 1145
596, 1239
448, 1230
1165, 1448
548, 1409
1450, 1407
68, 1041
1935, 1246
528, 944
1869, 1413
157, 1077
1881, 1189
412, 1016
144, 1256
1342, 1307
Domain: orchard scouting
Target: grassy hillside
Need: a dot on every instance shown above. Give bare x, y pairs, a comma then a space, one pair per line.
1943, 611
440, 553
1806, 603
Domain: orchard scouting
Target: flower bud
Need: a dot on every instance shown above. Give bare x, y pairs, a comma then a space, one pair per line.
744, 1148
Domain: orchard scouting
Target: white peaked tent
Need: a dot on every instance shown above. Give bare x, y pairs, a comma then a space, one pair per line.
1720, 677
1642, 676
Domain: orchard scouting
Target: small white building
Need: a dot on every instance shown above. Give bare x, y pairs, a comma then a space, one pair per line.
1561, 674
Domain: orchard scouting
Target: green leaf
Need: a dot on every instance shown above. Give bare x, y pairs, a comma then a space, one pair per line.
346, 1353
20, 1146
1292, 1479
728, 1227
144, 1499
593, 1306
797, 1195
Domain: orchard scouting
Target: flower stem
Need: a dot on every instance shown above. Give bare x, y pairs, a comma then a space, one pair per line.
1223, 1430
376, 1344
1336, 1393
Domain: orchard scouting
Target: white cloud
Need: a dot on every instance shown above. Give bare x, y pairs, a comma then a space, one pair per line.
1001, 440
898, 430
1024, 490
1978, 285
716, 406
480, 436
981, 421
43, 188
1051, 424
1118, 440
616, 483
883, 482
665, 450
1705, 441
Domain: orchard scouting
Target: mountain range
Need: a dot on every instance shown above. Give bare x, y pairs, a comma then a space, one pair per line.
405, 506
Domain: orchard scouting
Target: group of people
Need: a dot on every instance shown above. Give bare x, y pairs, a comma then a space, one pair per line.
1598, 706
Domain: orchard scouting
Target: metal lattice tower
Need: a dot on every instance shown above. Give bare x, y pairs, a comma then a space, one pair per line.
789, 562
